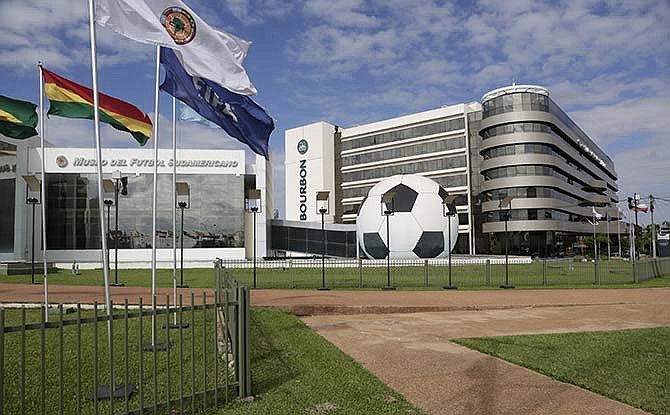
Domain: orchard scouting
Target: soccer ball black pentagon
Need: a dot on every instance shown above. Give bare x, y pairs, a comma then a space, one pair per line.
418, 228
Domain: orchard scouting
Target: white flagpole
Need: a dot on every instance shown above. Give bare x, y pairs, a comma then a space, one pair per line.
43, 198
618, 230
174, 203
609, 253
153, 207
98, 157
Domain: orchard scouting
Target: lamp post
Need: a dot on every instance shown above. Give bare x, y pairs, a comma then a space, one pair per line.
118, 184
449, 210
253, 203
506, 202
387, 206
183, 202
322, 209
33, 186
108, 204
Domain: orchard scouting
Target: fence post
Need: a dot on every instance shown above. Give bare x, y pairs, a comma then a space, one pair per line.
2, 356
243, 342
635, 270
596, 280
360, 273
488, 272
544, 273
290, 272
425, 272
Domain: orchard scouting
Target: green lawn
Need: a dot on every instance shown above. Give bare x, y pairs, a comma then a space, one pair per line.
563, 274
202, 361
293, 369
296, 371
631, 366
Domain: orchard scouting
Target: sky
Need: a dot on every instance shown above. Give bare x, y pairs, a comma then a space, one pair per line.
349, 62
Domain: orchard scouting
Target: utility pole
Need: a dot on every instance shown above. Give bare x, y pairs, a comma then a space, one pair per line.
653, 227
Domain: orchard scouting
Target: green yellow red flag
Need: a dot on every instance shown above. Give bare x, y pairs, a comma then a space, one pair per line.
71, 100
18, 119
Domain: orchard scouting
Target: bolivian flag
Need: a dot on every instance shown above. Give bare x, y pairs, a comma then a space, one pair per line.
72, 100
17, 118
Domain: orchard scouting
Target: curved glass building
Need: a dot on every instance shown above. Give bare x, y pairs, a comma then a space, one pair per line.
533, 152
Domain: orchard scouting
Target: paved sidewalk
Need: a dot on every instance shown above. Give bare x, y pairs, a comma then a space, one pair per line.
413, 354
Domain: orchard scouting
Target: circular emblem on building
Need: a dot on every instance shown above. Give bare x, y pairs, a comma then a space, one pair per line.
61, 161
302, 146
179, 24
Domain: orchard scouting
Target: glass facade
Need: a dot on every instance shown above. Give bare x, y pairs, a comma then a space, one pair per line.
215, 218
513, 149
405, 151
404, 134
530, 193
514, 171
311, 241
409, 168
534, 214
519, 101
7, 189
515, 127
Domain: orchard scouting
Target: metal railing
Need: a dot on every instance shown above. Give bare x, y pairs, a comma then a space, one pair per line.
60, 366
466, 272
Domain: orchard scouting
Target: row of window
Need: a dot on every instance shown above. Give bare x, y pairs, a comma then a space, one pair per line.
408, 168
458, 180
530, 193
514, 171
516, 127
513, 149
533, 214
520, 101
405, 151
405, 133
355, 192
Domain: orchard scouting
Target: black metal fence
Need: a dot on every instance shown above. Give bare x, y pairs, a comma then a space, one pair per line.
172, 358
466, 272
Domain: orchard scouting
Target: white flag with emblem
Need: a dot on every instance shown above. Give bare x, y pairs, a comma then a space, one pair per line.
203, 51
596, 214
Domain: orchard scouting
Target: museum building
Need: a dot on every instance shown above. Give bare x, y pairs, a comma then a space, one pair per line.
215, 221
517, 142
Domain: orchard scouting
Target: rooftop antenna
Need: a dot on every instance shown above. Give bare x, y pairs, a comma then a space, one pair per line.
513, 79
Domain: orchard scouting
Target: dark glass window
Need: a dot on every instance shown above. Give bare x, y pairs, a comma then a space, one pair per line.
407, 168
7, 203
215, 219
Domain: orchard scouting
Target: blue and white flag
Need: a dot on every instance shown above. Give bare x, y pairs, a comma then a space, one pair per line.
187, 113
237, 114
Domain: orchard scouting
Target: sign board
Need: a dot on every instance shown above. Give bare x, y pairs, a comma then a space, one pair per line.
139, 161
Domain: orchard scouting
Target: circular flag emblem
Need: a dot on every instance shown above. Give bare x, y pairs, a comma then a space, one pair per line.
302, 146
61, 161
179, 24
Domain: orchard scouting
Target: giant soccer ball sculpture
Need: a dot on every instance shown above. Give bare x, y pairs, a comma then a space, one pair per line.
418, 227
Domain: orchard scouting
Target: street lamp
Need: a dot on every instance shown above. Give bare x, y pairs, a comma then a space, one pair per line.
253, 205
183, 202
449, 210
108, 203
322, 209
387, 205
33, 188
506, 202
118, 184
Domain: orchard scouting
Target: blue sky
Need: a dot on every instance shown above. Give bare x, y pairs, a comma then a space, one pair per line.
353, 61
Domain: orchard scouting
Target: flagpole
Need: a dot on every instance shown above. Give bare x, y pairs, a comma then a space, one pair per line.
174, 202
153, 206
618, 230
101, 214
607, 217
43, 197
